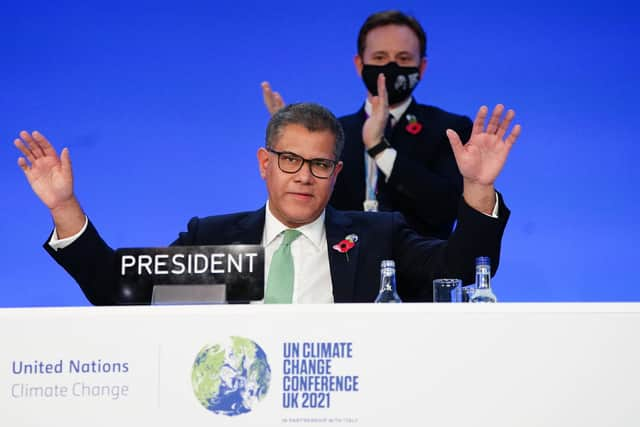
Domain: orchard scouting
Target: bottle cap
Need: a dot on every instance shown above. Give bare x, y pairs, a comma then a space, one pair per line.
387, 263
483, 260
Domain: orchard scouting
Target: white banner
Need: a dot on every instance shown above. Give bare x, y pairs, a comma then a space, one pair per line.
365, 365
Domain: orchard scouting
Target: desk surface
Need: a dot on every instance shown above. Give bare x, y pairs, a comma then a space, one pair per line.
408, 364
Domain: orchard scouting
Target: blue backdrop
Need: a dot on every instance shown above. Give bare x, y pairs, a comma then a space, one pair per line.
160, 105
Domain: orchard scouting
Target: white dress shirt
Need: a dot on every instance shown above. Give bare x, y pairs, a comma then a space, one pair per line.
312, 275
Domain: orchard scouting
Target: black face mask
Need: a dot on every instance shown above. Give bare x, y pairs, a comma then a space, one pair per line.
400, 81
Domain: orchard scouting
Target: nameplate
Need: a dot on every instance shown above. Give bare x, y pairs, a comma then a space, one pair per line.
239, 267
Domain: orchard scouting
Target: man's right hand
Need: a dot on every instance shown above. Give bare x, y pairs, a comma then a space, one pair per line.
51, 178
272, 100
373, 128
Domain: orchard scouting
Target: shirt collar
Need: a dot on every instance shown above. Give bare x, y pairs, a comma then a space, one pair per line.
314, 231
396, 112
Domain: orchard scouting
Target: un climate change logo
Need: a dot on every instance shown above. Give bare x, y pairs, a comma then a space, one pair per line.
230, 378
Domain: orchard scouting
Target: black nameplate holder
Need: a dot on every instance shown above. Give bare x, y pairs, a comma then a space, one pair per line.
194, 274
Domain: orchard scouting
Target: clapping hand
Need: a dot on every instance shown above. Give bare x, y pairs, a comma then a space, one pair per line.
272, 100
373, 128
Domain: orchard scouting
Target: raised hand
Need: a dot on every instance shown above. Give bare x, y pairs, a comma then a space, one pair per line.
482, 158
272, 100
373, 128
51, 178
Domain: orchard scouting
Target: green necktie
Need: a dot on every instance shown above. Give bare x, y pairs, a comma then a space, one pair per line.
280, 278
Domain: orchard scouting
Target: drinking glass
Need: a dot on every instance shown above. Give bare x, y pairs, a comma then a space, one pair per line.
447, 290
466, 292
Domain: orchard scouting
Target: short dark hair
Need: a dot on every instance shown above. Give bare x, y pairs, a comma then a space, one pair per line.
314, 118
392, 17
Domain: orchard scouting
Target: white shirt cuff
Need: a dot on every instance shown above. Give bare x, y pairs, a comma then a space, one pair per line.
56, 243
494, 214
385, 161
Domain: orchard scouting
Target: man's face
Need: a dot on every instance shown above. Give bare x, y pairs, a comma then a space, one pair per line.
298, 198
391, 43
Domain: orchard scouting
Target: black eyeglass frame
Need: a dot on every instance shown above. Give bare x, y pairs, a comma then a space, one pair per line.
333, 163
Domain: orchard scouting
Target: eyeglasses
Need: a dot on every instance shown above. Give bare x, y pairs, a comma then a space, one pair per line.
292, 163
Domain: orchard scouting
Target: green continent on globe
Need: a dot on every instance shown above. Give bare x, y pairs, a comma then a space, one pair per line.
230, 378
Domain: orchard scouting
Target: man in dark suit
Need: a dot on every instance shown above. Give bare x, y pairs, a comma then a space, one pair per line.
299, 165
413, 170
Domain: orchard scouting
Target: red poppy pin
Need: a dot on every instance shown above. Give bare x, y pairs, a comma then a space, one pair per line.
345, 245
414, 126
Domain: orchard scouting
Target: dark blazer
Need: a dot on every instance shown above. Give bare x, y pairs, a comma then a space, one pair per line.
425, 184
355, 278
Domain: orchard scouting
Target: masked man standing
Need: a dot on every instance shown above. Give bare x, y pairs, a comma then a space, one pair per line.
412, 169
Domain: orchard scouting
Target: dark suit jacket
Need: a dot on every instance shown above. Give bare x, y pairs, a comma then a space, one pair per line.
425, 184
355, 278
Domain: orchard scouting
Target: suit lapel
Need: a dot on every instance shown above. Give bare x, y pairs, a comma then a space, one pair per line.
400, 138
342, 265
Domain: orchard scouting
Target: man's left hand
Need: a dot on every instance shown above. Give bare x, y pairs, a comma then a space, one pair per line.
482, 158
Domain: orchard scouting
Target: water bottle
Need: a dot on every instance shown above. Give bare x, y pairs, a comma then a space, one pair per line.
388, 282
483, 292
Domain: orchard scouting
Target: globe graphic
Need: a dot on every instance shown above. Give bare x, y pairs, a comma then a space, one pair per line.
230, 378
